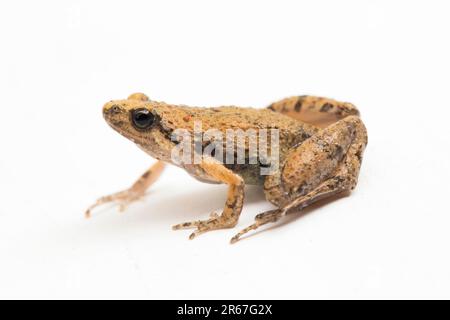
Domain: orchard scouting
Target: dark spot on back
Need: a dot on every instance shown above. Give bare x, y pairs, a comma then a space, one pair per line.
298, 104
305, 136
327, 106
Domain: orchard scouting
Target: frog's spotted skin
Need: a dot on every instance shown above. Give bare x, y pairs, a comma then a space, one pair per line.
320, 111
321, 146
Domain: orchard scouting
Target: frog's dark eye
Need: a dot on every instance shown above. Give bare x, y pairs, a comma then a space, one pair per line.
142, 118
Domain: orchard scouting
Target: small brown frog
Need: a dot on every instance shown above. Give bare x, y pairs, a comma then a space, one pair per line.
320, 146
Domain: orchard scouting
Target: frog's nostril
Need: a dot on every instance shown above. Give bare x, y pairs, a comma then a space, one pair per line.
115, 109
112, 110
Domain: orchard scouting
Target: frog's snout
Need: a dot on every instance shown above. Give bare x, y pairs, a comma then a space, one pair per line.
114, 114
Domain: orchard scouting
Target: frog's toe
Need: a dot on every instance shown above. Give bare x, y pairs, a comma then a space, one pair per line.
185, 225
194, 224
260, 220
216, 222
121, 199
200, 230
263, 216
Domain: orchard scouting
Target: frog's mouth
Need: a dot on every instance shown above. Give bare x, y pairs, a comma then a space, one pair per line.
124, 129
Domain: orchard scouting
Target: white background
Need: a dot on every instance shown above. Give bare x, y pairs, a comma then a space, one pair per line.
61, 61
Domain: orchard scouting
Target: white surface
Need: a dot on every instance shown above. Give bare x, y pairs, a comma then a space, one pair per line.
60, 61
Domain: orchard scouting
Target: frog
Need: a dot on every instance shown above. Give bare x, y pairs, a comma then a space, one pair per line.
321, 142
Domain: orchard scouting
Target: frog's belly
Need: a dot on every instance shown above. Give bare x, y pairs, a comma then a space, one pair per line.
250, 174
205, 180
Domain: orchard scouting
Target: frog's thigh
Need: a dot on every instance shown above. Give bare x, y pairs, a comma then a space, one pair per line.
317, 159
233, 205
318, 111
312, 186
323, 166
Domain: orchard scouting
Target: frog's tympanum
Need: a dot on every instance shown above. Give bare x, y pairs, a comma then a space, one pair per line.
320, 146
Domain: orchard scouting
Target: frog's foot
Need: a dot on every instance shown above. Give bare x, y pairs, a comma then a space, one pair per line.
122, 199
214, 223
137, 190
233, 205
193, 224
336, 185
260, 220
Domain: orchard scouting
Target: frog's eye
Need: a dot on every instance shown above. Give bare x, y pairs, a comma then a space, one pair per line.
142, 118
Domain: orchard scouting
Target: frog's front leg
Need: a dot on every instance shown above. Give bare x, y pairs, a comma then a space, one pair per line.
233, 205
137, 190
326, 164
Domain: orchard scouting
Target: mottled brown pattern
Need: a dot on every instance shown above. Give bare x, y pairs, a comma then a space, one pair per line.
321, 147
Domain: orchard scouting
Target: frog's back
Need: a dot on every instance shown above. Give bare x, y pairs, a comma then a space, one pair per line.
291, 131
251, 118
232, 117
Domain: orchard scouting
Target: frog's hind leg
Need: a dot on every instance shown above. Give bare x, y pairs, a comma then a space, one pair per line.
318, 111
233, 205
327, 189
137, 190
324, 165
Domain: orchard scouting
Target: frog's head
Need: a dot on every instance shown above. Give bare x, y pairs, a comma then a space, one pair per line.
137, 119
